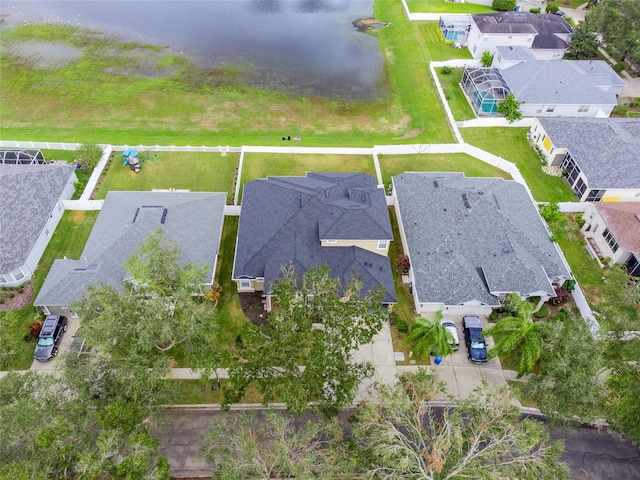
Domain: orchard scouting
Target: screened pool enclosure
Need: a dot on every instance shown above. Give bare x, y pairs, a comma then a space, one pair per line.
455, 28
485, 88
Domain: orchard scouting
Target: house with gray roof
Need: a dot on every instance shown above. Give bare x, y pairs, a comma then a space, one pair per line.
599, 157
193, 220
472, 241
547, 88
612, 231
547, 36
335, 219
31, 205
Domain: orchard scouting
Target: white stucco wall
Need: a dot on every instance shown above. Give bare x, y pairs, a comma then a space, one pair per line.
541, 110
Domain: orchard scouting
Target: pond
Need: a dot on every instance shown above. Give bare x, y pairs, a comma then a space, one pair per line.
301, 47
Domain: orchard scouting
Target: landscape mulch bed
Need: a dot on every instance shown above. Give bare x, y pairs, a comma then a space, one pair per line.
253, 308
19, 300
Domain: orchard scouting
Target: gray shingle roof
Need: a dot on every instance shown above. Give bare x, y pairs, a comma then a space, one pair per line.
458, 254
546, 27
283, 220
192, 220
566, 82
605, 149
29, 195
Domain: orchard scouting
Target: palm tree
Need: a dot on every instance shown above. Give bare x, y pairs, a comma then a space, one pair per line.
430, 337
518, 335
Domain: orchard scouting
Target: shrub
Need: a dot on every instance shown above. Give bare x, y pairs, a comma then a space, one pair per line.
35, 328
580, 221
403, 264
551, 8
542, 313
89, 154
487, 59
569, 285
402, 326
493, 316
618, 67
561, 297
621, 109
503, 5
446, 70
535, 10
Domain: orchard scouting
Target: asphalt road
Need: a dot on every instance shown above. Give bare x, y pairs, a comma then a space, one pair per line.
589, 453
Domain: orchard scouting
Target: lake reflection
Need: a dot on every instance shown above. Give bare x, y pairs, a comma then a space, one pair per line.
305, 47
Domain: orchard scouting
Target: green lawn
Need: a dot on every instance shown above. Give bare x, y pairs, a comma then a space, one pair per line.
441, 6
260, 165
517, 390
436, 48
455, 96
511, 144
67, 240
190, 392
197, 172
392, 165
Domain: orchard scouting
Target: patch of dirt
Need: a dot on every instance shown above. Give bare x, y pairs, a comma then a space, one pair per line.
412, 133
19, 300
253, 308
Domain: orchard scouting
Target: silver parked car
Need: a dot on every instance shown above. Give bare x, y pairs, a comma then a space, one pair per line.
450, 326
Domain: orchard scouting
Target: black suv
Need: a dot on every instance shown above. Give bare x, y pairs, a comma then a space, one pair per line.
476, 346
50, 335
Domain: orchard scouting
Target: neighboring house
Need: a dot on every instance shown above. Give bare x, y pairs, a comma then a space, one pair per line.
598, 157
546, 35
547, 88
31, 205
613, 231
335, 219
472, 241
193, 220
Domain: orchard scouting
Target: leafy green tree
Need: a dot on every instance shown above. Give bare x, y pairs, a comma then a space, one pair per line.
9, 341
430, 337
89, 154
584, 42
290, 360
620, 299
621, 402
482, 437
551, 8
156, 311
510, 108
517, 335
276, 445
617, 21
487, 58
503, 5
570, 348
50, 429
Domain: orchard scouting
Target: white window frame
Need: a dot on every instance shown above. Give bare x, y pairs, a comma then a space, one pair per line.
332, 241
551, 108
244, 286
583, 108
383, 244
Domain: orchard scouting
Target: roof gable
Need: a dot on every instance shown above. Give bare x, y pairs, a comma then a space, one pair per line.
29, 195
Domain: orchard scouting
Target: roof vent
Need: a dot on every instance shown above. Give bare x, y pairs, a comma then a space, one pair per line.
435, 183
505, 249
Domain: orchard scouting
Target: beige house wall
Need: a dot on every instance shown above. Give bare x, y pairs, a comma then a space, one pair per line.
596, 223
370, 245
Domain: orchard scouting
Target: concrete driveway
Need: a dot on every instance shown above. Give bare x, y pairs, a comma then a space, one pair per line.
460, 374
72, 327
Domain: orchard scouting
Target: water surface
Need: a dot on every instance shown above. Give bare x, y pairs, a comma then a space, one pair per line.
303, 47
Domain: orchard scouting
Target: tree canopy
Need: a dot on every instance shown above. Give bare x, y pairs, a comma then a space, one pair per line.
617, 21
156, 310
430, 337
482, 437
510, 108
584, 41
292, 360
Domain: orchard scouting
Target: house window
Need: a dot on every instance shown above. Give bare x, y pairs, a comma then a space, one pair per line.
245, 284
485, 38
46, 231
595, 195
3, 279
611, 240
551, 108
539, 110
18, 275
475, 49
332, 241
580, 187
583, 108
383, 244
595, 229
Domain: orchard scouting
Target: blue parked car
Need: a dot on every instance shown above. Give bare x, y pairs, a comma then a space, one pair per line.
476, 345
